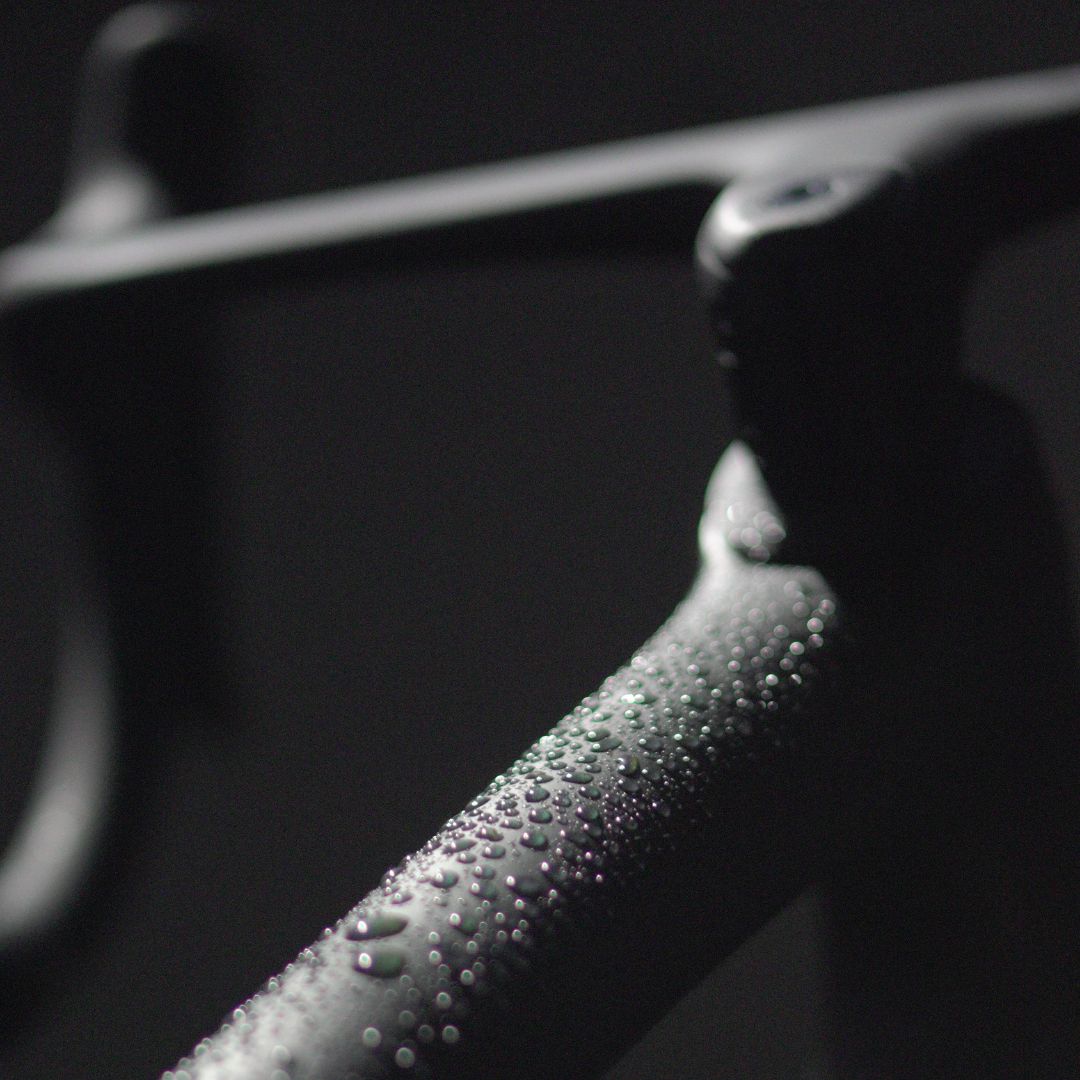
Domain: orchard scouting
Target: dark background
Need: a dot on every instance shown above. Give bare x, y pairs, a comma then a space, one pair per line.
455, 497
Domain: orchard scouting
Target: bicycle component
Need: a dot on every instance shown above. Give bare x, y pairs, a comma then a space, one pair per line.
138, 632
754, 736
1007, 125
765, 731
493, 950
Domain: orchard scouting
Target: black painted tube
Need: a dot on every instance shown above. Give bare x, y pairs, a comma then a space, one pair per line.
1028, 114
543, 927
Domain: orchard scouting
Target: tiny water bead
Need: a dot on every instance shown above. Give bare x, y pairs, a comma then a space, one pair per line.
376, 926
530, 885
465, 923
372, 1037
405, 1058
444, 878
535, 839
381, 963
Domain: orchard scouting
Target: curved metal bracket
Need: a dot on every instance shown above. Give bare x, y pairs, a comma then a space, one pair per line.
130, 643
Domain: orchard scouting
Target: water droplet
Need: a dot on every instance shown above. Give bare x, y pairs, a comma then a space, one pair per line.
494, 851
382, 963
466, 924
484, 889
372, 1037
461, 843
444, 878
540, 816
530, 885
376, 926
450, 1034
577, 776
405, 1058
588, 813
535, 839
537, 794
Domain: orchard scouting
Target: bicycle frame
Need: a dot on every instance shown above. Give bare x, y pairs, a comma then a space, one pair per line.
768, 729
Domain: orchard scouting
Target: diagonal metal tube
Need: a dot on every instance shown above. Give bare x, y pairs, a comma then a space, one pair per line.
887, 130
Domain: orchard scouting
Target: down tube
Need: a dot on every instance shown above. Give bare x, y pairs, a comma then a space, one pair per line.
546, 927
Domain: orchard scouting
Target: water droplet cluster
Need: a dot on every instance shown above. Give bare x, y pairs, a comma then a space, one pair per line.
403, 978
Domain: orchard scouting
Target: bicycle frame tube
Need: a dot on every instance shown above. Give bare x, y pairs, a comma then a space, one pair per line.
906, 129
